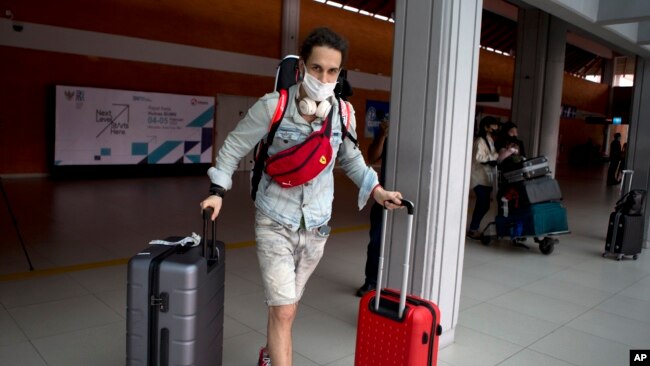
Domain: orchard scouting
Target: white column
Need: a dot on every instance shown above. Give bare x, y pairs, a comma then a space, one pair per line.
639, 136
435, 66
539, 73
608, 78
530, 66
552, 94
290, 27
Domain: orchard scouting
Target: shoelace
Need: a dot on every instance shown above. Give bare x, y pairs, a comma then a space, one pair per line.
266, 360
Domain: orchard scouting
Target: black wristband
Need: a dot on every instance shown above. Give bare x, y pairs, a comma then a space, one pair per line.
217, 190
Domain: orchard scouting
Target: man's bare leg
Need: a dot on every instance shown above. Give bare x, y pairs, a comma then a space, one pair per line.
278, 337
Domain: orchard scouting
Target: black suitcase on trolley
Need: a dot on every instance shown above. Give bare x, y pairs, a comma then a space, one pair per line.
624, 235
175, 304
529, 192
528, 169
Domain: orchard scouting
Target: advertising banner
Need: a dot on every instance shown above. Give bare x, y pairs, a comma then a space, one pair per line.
376, 113
114, 127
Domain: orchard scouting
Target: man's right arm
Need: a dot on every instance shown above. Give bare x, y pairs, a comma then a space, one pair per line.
240, 141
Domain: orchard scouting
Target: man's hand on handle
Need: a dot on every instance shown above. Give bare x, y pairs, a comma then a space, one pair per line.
389, 199
215, 202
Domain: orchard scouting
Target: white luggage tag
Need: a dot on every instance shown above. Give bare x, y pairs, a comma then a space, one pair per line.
195, 239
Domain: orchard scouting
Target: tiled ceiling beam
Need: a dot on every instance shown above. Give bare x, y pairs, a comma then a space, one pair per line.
618, 12
643, 35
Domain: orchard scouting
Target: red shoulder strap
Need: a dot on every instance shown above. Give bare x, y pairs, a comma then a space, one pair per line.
283, 101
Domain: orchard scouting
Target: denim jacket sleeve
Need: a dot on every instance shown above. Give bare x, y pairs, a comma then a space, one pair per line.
354, 164
242, 139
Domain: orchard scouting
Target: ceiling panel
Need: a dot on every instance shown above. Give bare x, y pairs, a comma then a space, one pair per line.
497, 33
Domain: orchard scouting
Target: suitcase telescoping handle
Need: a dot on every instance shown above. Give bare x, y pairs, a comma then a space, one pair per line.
626, 183
410, 207
207, 220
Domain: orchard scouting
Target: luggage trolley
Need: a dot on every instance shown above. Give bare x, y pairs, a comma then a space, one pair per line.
528, 207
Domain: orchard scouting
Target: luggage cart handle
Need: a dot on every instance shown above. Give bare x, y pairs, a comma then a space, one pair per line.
410, 207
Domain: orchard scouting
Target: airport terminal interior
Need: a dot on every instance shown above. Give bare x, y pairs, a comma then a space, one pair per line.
66, 238
517, 307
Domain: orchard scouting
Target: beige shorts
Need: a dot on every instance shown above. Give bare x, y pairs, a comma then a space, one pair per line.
286, 258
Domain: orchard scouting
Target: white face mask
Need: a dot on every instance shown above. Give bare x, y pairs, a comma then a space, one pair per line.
317, 90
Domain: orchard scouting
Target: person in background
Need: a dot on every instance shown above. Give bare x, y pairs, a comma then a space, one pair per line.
291, 223
509, 135
622, 166
376, 151
615, 155
484, 158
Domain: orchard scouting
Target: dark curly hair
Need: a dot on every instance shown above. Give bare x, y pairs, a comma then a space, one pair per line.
324, 37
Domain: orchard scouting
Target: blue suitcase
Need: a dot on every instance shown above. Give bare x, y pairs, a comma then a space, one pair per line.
536, 220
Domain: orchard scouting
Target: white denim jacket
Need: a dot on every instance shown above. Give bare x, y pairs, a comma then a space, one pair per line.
482, 152
313, 200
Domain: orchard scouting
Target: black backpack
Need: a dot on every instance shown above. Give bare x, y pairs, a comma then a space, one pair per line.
286, 75
632, 203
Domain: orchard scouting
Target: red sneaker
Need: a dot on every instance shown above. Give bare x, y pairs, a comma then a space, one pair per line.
264, 360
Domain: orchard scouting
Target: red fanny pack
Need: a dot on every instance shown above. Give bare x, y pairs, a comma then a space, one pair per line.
303, 162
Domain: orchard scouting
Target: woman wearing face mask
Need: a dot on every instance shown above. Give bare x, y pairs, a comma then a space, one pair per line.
509, 135
291, 221
484, 158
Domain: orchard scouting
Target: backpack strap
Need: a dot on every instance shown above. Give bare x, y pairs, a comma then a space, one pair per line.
262, 147
280, 109
344, 113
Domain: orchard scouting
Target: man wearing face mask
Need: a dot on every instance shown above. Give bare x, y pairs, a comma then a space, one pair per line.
291, 220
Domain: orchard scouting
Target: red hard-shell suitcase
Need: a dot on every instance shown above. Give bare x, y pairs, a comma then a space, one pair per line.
401, 329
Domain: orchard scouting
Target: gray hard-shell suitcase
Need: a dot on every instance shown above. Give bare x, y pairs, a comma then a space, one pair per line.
530, 169
175, 304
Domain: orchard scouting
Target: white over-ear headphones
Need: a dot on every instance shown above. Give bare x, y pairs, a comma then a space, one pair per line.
310, 108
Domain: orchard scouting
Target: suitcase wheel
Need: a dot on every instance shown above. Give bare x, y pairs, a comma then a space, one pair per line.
485, 239
635, 257
547, 245
619, 257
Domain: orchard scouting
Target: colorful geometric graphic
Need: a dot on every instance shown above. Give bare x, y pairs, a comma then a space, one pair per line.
111, 127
